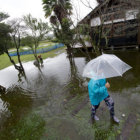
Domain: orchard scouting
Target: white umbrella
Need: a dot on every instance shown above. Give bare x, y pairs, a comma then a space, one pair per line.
105, 66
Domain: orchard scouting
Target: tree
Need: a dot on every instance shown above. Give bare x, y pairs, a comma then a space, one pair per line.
95, 34
27, 40
4, 37
59, 12
4, 32
37, 30
16, 35
3, 16
8, 38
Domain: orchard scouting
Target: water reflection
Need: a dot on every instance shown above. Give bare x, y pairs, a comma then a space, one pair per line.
76, 82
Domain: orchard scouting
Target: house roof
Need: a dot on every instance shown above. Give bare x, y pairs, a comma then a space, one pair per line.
86, 18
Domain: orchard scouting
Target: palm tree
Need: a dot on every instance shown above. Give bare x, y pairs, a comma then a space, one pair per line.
59, 12
61, 8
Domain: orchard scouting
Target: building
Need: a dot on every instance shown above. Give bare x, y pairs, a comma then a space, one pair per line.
117, 21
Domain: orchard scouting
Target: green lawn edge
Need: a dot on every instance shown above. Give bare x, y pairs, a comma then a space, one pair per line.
5, 62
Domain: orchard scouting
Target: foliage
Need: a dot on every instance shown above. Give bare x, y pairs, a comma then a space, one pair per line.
94, 34
7, 33
37, 30
5, 38
18, 31
3, 16
64, 35
61, 8
5, 30
59, 12
16, 34
28, 40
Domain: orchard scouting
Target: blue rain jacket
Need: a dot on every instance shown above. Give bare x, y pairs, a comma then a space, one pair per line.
97, 91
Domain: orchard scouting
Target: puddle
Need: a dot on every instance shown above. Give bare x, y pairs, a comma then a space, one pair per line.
58, 93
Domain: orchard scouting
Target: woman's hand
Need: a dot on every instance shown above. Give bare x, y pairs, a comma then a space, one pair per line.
107, 85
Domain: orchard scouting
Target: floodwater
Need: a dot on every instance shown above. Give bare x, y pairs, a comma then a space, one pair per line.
58, 94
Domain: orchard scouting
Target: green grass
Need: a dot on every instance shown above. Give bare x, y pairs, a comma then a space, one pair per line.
5, 62
42, 44
46, 46
30, 127
47, 43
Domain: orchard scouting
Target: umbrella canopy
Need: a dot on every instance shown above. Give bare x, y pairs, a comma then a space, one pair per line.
105, 66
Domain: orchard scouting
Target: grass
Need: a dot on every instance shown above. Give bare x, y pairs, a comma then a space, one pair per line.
5, 62
31, 127
47, 44
41, 46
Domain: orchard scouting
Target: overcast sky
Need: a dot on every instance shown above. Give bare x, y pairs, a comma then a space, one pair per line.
18, 8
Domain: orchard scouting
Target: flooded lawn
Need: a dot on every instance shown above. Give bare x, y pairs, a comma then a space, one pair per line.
53, 103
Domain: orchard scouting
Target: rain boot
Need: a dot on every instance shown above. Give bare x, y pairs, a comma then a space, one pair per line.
115, 119
96, 118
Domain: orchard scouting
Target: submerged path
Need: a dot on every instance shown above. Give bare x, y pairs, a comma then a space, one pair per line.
128, 127
80, 106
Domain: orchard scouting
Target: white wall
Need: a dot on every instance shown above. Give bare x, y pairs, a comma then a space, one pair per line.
114, 21
131, 14
88, 44
95, 22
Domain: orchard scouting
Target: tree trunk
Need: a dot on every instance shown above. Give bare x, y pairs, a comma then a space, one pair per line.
21, 69
70, 53
13, 62
84, 45
35, 54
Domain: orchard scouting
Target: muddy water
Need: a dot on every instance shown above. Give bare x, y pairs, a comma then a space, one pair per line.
58, 93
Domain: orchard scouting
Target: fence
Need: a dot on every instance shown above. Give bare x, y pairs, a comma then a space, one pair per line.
43, 50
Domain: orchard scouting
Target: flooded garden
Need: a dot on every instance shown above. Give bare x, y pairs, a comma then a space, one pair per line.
53, 103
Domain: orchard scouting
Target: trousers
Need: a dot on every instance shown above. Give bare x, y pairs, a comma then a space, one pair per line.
110, 104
